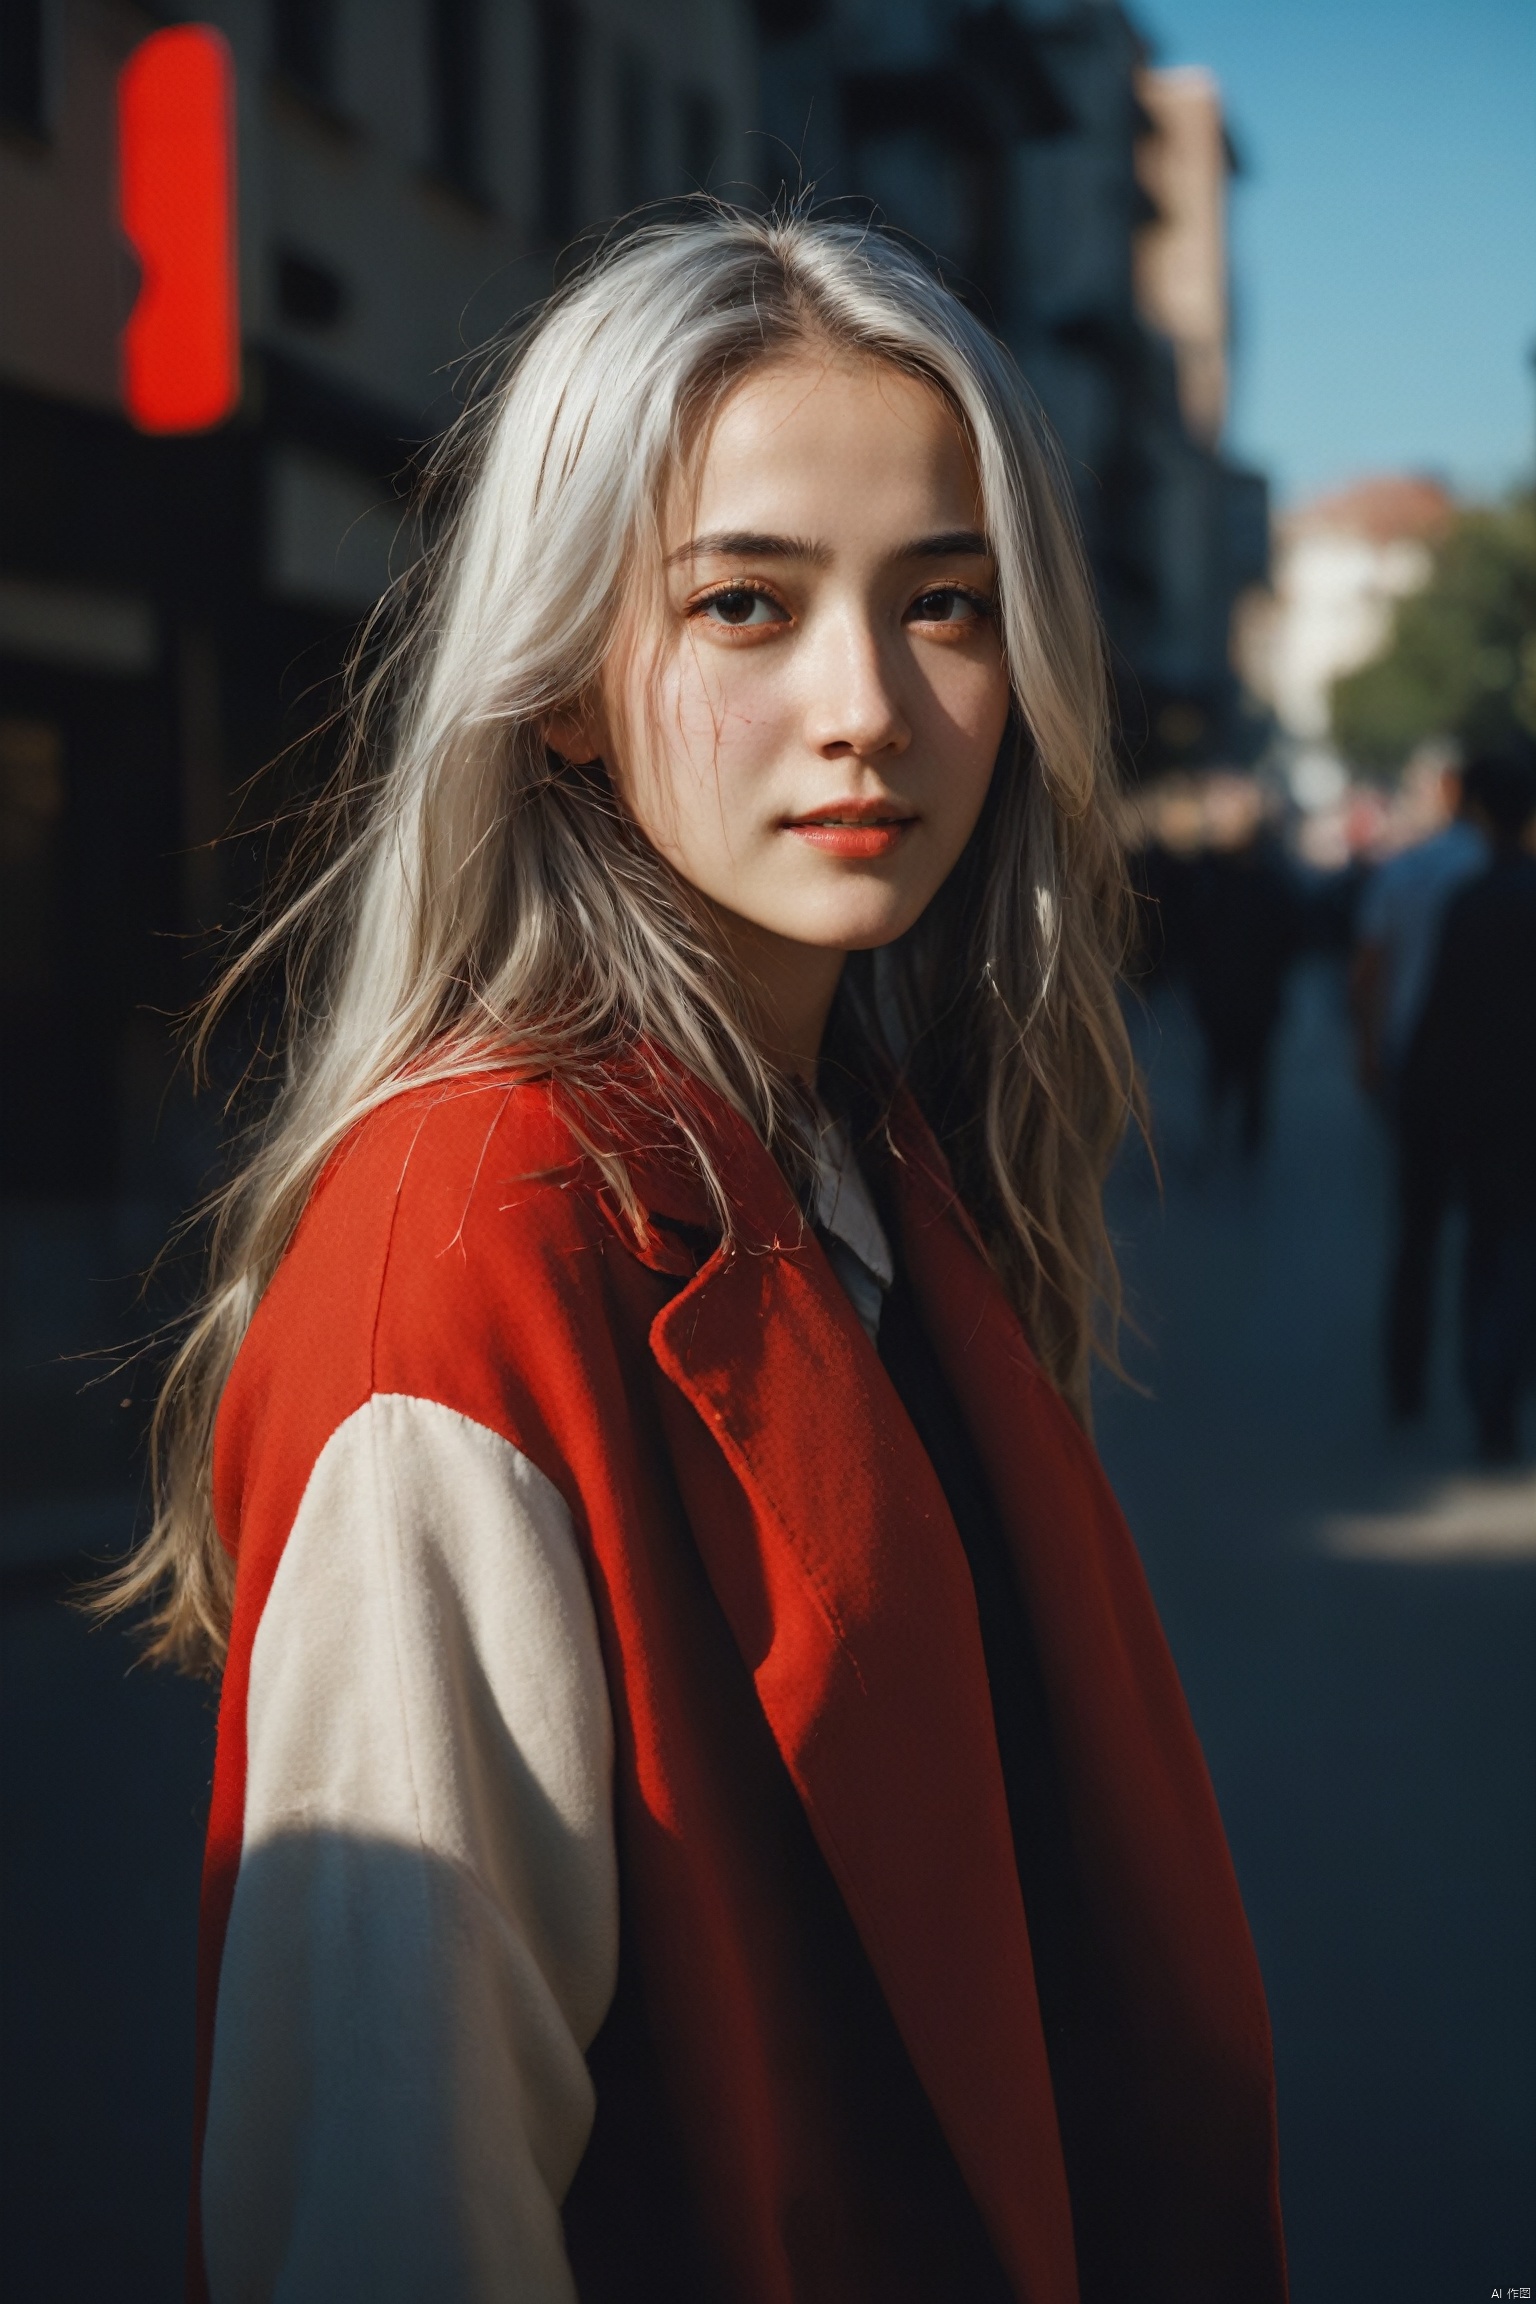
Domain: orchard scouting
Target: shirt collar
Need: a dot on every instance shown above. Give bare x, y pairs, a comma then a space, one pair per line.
843, 1203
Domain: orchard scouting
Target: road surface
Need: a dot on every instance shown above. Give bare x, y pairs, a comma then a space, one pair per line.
1354, 1613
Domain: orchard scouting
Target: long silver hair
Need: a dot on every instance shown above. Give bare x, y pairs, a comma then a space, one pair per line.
474, 900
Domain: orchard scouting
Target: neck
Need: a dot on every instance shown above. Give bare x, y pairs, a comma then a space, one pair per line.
793, 987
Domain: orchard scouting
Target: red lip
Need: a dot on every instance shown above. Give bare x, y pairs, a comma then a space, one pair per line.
857, 828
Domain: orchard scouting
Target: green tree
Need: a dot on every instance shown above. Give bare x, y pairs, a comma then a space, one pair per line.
1460, 659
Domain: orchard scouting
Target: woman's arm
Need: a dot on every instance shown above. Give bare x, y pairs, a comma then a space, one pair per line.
425, 1926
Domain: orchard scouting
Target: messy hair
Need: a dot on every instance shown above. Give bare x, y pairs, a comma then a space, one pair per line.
477, 901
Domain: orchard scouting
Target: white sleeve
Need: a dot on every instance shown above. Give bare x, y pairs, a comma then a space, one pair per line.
424, 1935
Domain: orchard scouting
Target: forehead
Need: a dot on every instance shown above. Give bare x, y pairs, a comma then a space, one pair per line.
826, 433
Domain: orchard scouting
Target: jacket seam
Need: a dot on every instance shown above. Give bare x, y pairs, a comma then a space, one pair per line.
384, 1483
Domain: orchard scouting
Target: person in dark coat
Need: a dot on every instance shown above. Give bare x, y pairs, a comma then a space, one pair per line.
1241, 931
1397, 937
1477, 1056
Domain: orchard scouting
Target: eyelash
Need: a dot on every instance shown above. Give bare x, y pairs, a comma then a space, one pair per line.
736, 591
980, 601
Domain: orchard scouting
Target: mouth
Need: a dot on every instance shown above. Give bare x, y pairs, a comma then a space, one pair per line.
855, 828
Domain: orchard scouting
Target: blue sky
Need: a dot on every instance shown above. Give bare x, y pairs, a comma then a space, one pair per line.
1384, 236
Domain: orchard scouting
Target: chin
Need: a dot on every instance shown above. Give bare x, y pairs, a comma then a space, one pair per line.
862, 928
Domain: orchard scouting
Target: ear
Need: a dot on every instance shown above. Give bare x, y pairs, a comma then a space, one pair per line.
576, 735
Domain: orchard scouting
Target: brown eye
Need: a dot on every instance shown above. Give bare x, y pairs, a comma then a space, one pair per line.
948, 604
740, 605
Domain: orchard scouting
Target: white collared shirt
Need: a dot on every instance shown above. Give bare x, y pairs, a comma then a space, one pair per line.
853, 1234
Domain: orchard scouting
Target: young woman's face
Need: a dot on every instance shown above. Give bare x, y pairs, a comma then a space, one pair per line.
832, 689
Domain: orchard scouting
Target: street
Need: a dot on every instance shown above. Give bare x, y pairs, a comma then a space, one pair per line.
1352, 1612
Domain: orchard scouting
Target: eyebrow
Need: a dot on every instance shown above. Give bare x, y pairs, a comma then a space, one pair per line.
949, 544
748, 544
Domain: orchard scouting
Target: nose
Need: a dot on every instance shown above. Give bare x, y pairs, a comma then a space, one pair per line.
853, 711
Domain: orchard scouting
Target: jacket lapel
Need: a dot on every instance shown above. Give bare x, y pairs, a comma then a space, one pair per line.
1144, 1813
834, 1556
1146, 1833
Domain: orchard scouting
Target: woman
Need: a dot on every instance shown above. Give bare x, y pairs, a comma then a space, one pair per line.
703, 1806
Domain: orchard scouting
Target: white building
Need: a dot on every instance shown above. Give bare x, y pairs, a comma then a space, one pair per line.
1342, 563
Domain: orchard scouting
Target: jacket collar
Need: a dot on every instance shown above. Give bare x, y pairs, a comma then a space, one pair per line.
853, 1607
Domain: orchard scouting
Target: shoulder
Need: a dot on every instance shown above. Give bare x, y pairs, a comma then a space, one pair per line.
452, 1235
1453, 857
437, 1139
429, 1196
1419, 873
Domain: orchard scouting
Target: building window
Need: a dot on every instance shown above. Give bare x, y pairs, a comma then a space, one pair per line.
305, 48
559, 86
699, 136
22, 93
454, 29
634, 105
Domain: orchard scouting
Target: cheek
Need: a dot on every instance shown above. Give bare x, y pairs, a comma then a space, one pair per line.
982, 699
690, 762
718, 726
729, 703
971, 717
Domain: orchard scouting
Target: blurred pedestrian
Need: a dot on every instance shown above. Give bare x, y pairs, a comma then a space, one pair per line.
1167, 836
1397, 935
1476, 1056
1241, 928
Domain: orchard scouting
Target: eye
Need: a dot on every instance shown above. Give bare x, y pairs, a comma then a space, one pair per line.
949, 604
740, 606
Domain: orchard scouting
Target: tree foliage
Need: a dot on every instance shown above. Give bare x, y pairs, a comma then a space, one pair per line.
1460, 659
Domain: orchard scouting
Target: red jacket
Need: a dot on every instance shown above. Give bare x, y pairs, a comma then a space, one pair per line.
801, 1731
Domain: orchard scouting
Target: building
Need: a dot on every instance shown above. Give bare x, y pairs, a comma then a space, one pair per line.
1181, 251
1342, 563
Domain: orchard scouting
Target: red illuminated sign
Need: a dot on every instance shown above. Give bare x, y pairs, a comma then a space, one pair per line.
176, 202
